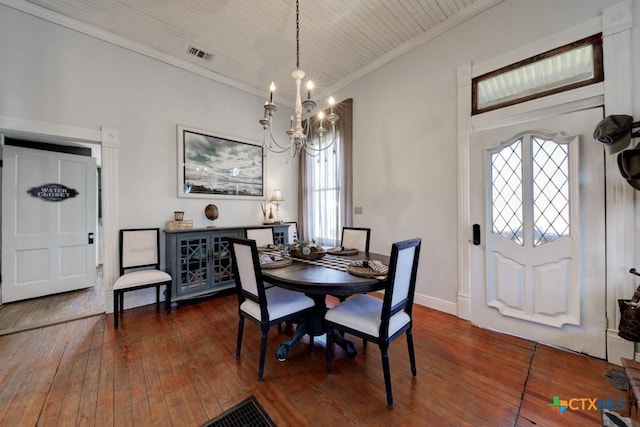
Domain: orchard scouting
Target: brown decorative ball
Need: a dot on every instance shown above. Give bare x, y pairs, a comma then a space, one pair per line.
211, 212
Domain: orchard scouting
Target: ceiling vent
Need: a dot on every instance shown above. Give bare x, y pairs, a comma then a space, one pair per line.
200, 53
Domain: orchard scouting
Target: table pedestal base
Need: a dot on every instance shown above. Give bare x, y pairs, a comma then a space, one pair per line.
301, 331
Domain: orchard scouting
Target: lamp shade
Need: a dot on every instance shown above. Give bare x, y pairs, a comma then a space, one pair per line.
277, 196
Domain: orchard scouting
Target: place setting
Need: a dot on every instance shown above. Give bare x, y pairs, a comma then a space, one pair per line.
368, 268
272, 261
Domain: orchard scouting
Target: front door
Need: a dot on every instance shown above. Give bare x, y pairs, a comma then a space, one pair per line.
48, 222
537, 199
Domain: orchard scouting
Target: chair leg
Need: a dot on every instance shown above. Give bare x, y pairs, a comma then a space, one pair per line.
384, 350
263, 351
157, 294
312, 348
412, 356
116, 305
167, 298
239, 341
329, 348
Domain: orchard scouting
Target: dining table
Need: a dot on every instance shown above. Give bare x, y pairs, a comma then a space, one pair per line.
317, 278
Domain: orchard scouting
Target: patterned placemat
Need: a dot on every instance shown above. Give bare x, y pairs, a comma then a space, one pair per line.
277, 263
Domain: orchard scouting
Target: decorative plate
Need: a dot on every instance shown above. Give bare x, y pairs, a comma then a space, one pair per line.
268, 248
278, 263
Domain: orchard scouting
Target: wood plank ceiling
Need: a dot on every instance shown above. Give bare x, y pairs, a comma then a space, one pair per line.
253, 41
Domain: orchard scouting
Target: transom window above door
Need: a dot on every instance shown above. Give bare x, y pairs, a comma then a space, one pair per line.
568, 67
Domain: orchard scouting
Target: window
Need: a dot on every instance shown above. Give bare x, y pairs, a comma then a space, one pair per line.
568, 67
530, 190
324, 194
327, 185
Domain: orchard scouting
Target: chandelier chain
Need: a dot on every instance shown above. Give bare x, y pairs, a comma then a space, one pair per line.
297, 35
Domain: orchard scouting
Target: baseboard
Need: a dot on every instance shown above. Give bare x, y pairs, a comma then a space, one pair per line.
436, 304
618, 347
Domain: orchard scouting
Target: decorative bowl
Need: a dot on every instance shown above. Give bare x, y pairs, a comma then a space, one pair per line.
314, 253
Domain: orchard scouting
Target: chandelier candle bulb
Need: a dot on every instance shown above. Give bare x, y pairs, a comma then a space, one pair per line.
309, 87
272, 89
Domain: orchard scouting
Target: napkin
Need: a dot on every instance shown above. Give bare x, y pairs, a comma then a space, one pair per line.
376, 266
265, 259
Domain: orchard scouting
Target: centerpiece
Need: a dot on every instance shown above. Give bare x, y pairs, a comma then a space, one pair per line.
303, 250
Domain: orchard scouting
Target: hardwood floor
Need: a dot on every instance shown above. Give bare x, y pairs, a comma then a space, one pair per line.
38, 312
180, 370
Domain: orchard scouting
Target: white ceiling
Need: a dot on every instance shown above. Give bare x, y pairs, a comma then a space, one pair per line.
254, 41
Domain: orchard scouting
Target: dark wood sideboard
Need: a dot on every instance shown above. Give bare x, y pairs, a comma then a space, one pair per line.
199, 260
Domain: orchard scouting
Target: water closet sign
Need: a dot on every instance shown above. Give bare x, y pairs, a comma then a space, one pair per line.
52, 192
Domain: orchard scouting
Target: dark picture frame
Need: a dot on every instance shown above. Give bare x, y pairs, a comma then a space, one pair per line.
216, 166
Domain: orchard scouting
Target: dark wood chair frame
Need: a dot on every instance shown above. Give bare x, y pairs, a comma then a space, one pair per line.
383, 339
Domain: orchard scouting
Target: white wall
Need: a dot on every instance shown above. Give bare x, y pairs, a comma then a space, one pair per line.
53, 74
405, 135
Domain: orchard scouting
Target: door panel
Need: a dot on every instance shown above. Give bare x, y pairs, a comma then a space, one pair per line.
537, 190
45, 244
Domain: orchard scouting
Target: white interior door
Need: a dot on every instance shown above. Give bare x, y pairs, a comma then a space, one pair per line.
537, 193
47, 244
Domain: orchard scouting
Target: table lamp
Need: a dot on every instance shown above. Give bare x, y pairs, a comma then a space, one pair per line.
277, 198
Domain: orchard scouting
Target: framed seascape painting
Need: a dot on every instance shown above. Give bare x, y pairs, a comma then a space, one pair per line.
215, 166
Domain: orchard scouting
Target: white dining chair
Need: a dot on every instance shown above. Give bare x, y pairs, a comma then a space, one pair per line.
381, 321
264, 306
262, 235
139, 268
356, 238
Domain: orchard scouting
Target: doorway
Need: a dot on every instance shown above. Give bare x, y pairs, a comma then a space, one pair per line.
108, 141
49, 220
537, 201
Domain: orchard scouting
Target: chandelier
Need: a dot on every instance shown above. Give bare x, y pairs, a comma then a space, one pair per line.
300, 131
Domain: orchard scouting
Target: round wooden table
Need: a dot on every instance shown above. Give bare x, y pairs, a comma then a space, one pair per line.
318, 281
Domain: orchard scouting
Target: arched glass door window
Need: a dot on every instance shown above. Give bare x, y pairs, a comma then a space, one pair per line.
530, 190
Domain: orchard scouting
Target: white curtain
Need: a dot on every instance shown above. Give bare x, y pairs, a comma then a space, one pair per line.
326, 198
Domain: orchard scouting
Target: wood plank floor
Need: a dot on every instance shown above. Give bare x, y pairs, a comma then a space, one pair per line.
38, 312
180, 370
